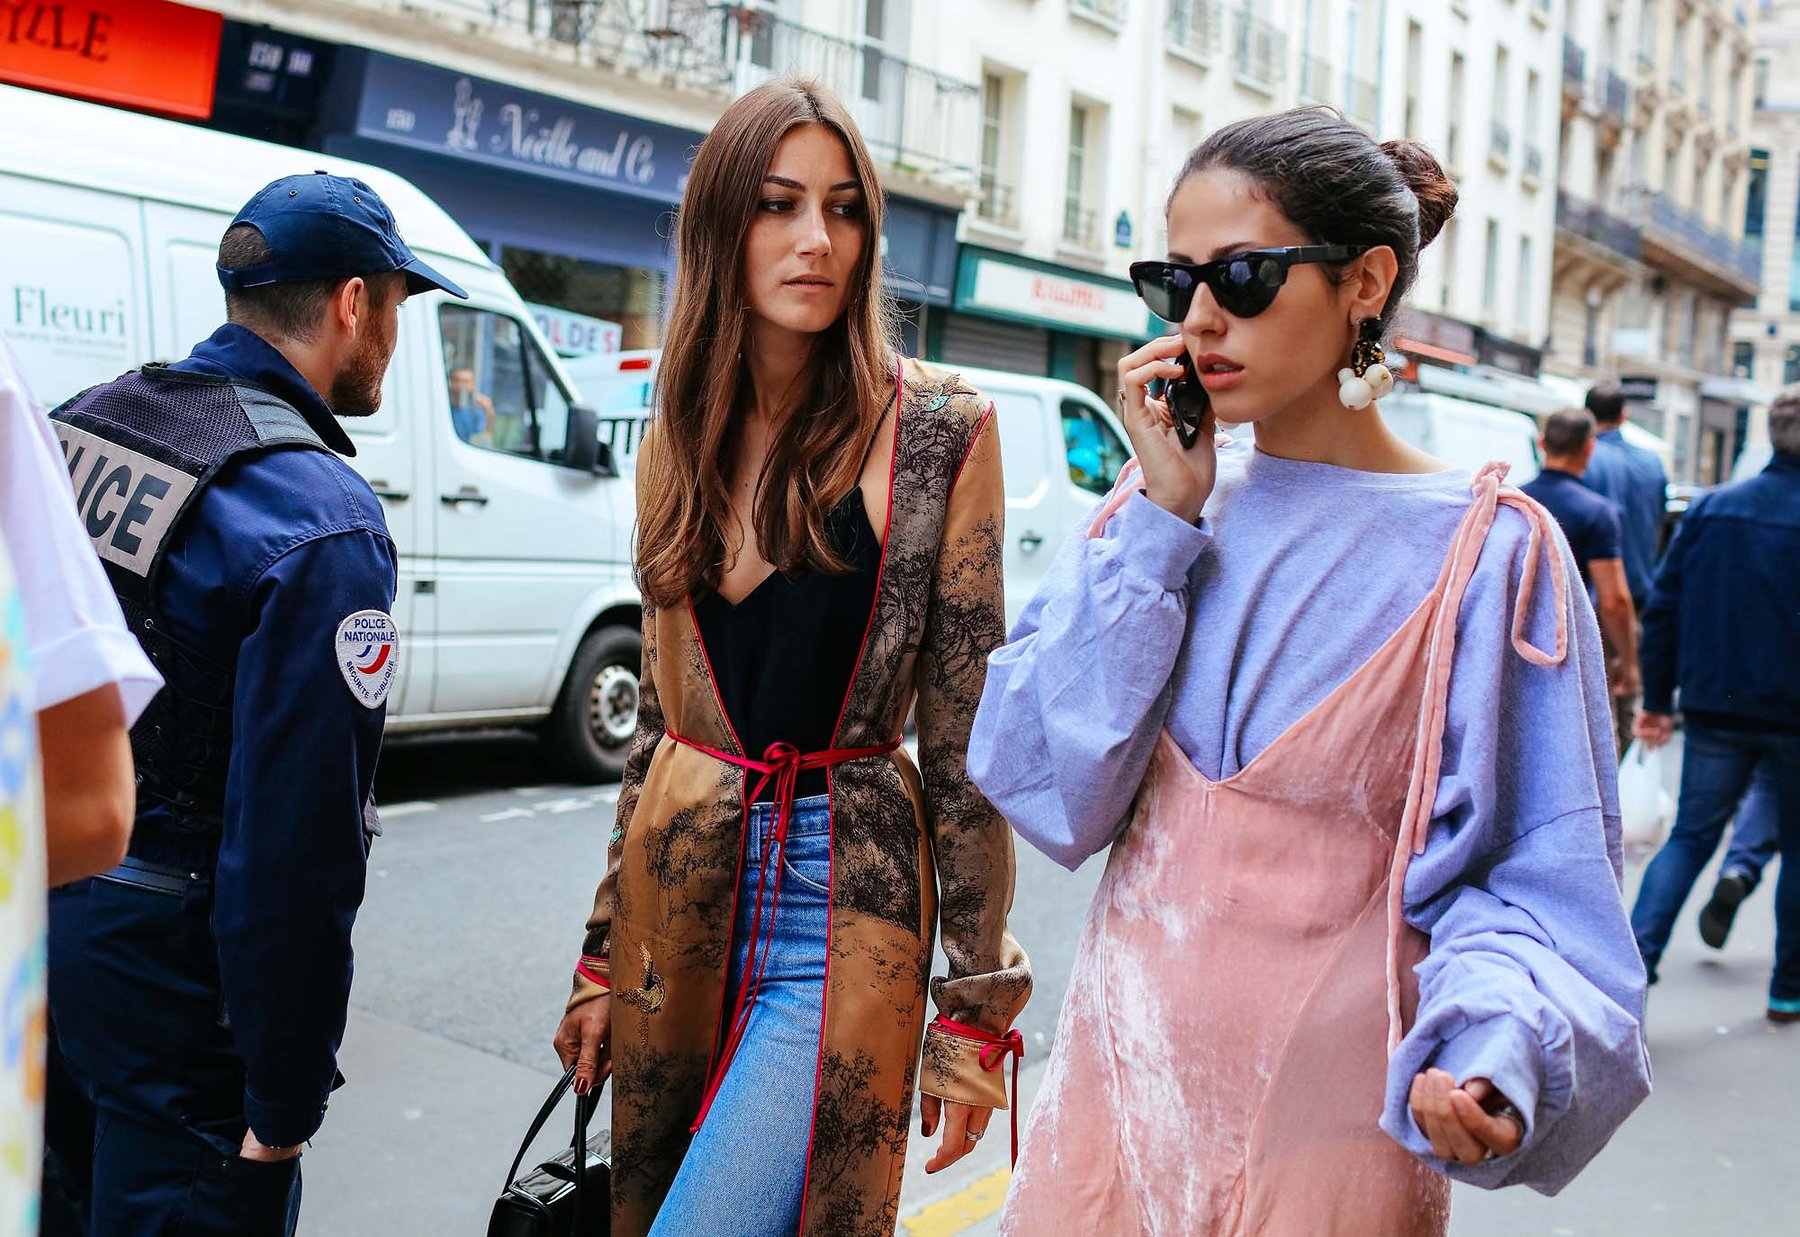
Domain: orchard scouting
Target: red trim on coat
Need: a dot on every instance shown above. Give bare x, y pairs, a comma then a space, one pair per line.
887, 531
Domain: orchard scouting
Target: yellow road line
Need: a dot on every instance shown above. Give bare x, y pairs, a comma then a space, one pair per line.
969, 1205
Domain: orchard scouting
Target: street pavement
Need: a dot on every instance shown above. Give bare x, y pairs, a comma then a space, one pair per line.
477, 894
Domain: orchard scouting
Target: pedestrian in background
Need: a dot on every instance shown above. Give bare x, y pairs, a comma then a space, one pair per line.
1591, 524
1723, 631
198, 991
72, 680
1635, 480
819, 548
1344, 730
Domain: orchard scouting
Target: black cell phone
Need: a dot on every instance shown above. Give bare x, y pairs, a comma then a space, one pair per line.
1187, 401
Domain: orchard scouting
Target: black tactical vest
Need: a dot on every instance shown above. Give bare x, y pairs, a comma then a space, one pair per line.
141, 450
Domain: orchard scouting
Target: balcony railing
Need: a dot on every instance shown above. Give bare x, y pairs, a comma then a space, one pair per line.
995, 203
1499, 142
1079, 226
1658, 213
1196, 26
1616, 96
1534, 163
914, 119
1261, 48
1574, 64
1599, 226
1111, 12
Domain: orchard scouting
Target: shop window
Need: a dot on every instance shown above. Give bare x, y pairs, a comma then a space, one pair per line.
1743, 359
499, 391
1790, 365
626, 297
1095, 454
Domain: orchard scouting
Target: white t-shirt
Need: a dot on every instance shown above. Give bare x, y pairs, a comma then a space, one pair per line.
72, 619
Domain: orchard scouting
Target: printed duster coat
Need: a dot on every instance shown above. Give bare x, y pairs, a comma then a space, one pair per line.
911, 848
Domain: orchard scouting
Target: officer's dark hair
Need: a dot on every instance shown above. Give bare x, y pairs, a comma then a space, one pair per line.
1337, 184
1607, 404
1567, 432
284, 310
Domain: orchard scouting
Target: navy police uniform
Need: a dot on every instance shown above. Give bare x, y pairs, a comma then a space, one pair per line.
201, 988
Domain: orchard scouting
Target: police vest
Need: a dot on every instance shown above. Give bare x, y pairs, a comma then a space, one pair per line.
141, 450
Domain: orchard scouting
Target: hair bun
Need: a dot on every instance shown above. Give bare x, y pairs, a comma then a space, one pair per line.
1425, 176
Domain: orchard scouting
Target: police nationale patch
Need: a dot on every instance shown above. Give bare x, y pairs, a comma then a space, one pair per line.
368, 655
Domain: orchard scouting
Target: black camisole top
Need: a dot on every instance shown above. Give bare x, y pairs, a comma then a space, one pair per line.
784, 655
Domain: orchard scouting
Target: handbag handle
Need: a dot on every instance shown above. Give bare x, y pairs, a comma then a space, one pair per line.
584, 1113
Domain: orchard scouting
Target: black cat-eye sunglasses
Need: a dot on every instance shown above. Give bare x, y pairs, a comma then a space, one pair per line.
1244, 284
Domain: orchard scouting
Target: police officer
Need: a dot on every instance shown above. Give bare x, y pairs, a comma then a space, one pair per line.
199, 990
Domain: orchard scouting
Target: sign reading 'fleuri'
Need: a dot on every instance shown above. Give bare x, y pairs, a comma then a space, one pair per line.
419, 105
142, 53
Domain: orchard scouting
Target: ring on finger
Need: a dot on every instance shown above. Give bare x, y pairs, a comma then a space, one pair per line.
1121, 400
974, 1136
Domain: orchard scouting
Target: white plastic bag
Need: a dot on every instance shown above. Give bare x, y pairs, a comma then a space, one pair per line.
1646, 809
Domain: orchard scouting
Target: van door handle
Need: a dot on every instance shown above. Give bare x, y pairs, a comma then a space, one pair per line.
467, 494
1030, 542
387, 492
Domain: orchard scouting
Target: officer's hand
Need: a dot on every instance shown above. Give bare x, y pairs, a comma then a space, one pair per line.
254, 1150
584, 1040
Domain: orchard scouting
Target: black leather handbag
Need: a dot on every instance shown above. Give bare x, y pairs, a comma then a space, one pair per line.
569, 1194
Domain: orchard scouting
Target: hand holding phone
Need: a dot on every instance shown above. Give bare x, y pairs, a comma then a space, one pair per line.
1172, 432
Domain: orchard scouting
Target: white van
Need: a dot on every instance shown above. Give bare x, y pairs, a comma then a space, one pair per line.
1463, 433
516, 604
1061, 448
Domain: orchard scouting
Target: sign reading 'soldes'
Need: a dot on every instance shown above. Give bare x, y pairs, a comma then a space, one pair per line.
420, 105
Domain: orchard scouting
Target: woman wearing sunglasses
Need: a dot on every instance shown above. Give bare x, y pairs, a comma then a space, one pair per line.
1343, 723
819, 552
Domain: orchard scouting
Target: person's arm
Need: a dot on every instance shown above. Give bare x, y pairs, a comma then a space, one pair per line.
293, 859
1076, 698
1657, 649
593, 972
1619, 619
89, 791
1533, 983
989, 976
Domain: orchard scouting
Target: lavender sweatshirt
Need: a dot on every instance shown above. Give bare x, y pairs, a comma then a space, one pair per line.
1228, 632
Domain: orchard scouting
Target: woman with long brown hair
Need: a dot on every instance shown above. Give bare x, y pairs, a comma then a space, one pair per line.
819, 549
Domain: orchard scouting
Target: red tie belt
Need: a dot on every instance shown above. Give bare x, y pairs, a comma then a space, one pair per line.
782, 764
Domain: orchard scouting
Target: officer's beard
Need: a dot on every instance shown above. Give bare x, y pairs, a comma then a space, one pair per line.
356, 391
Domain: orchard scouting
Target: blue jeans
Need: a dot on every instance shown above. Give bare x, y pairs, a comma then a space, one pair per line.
744, 1174
1716, 771
1755, 839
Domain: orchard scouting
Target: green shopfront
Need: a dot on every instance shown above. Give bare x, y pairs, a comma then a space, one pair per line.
1031, 317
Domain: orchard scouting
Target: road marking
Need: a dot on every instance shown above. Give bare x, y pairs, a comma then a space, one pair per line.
390, 810
511, 813
969, 1205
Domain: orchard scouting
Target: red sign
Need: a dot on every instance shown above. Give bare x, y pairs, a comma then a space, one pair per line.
147, 54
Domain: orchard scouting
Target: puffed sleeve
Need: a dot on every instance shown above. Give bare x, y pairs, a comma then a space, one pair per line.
1533, 980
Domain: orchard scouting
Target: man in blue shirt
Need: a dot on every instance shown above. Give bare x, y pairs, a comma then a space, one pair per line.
1591, 524
198, 992
1723, 627
1635, 481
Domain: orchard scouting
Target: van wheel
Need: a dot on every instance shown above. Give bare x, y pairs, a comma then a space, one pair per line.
596, 716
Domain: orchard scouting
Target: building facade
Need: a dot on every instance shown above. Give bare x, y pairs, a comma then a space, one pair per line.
1651, 258
1765, 339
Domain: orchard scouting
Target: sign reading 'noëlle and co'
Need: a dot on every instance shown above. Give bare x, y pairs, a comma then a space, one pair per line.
429, 108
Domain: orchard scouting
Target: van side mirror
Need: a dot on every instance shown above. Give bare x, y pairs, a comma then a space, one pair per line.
582, 449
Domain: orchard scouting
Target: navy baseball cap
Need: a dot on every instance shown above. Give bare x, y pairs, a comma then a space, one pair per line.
327, 227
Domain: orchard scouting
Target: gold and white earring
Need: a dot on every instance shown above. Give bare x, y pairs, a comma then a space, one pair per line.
1367, 377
